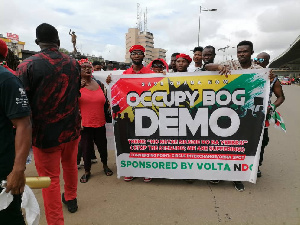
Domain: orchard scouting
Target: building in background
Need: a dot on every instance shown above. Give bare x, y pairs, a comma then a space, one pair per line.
146, 39
13, 43
288, 63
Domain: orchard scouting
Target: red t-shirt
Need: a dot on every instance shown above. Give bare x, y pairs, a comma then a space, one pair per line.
92, 107
142, 71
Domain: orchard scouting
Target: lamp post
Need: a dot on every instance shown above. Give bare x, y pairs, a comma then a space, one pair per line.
224, 50
203, 9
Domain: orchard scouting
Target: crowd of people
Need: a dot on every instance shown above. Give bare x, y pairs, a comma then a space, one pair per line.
53, 103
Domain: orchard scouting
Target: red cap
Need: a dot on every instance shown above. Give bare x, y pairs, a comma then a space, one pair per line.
158, 59
137, 47
3, 48
81, 61
187, 57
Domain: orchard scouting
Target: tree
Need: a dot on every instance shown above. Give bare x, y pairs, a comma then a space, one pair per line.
63, 50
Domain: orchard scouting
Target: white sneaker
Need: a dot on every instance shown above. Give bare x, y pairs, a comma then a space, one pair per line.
147, 179
94, 161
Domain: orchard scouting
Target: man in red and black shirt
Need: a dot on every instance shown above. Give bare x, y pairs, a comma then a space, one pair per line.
52, 82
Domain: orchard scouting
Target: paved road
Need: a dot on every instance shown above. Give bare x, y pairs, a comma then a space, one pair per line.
274, 199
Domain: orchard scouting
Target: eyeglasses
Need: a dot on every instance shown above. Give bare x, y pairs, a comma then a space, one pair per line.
259, 60
158, 65
137, 53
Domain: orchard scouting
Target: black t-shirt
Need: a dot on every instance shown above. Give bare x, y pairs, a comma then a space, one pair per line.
13, 104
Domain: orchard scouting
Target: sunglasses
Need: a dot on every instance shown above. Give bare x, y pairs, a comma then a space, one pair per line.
137, 53
158, 65
259, 60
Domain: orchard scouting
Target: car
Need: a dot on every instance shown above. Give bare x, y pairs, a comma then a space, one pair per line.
286, 81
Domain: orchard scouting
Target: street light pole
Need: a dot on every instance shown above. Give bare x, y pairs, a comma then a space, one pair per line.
224, 50
203, 9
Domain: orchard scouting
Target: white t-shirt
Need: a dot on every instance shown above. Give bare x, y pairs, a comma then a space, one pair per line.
192, 68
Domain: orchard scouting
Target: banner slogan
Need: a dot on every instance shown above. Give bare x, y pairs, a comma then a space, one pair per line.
190, 125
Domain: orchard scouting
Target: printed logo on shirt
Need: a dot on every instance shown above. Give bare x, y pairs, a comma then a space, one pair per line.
23, 100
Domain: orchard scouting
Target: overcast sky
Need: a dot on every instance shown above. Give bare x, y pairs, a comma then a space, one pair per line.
100, 26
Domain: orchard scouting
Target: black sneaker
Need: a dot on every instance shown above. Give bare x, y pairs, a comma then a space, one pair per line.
258, 173
239, 185
214, 181
71, 204
190, 181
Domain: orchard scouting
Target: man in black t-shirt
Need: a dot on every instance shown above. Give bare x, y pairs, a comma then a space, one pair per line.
14, 111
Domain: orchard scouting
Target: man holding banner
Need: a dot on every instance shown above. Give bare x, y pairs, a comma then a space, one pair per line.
244, 52
182, 62
189, 126
137, 56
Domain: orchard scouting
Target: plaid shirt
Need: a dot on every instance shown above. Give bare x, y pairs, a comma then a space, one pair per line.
52, 82
235, 65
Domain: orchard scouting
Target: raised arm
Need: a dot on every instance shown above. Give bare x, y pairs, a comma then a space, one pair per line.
223, 70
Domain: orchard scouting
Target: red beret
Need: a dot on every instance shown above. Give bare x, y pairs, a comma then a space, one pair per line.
81, 61
137, 47
3, 48
187, 57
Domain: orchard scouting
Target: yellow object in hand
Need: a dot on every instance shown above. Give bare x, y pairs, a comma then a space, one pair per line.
38, 182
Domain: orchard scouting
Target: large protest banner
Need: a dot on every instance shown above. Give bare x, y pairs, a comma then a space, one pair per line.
190, 125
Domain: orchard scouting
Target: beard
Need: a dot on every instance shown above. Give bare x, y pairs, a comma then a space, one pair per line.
137, 63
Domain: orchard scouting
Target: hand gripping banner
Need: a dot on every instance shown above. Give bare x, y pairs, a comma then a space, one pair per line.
190, 125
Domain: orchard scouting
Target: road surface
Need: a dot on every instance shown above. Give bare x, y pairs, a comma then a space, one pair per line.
274, 199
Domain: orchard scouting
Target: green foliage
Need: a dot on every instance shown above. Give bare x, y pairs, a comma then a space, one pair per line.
63, 50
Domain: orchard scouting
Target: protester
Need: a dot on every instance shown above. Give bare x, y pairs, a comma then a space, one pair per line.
208, 55
158, 65
14, 149
173, 63
122, 66
52, 83
110, 66
97, 66
197, 59
263, 59
244, 52
94, 107
4, 53
137, 56
182, 62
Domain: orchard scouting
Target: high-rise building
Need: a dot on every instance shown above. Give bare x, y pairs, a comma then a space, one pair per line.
146, 39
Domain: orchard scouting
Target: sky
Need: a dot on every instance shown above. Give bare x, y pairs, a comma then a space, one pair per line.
100, 26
